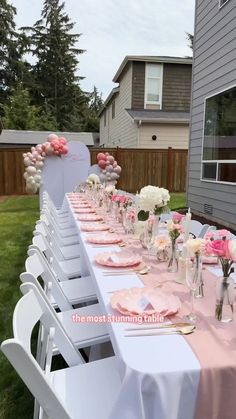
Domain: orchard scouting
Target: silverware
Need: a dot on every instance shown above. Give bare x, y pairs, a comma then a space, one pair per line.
187, 330
159, 326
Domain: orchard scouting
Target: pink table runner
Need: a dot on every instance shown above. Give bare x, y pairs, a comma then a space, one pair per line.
213, 343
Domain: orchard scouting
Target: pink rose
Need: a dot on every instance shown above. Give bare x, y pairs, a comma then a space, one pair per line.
177, 227
224, 234
209, 235
218, 248
177, 217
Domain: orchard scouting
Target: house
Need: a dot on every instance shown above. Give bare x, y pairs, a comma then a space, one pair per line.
150, 106
212, 150
20, 138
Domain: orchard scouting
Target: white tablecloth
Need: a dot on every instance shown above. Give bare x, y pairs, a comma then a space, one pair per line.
160, 373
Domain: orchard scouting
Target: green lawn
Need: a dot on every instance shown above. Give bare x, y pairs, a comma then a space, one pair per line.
177, 201
17, 219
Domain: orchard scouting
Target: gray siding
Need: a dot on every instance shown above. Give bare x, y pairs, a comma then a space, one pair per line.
214, 70
176, 92
138, 85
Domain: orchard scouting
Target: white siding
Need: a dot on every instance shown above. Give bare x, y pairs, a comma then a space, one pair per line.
120, 131
171, 135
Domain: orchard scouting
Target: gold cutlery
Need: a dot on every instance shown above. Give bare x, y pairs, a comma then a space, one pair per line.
187, 330
159, 326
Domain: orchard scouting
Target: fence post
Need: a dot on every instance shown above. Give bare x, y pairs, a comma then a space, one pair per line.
169, 169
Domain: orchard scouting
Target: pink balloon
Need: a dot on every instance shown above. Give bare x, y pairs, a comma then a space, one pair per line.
56, 147
102, 164
117, 170
115, 164
52, 137
101, 156
24, 155
43, 154
49, 150
62, 140
57, 153
107, 154
111, 159
64, 149
107, 163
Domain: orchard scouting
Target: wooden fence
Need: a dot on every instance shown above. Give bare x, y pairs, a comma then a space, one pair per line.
140, 167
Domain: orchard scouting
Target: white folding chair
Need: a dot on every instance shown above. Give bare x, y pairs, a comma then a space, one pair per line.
65, 231
82, 333
64, 294
64, 269
81, 391
64, 241
195, 228
63, 252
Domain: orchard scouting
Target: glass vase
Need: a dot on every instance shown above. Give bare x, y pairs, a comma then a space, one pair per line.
224, 299
198, 274
173, 261
156, 225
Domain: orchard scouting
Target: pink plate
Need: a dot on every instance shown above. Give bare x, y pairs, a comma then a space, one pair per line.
91, 217
104, 239
94, 227
117, 259
145, 301
79, 206
211, 260
84, 210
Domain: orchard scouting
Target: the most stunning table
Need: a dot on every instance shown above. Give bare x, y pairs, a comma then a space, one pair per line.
167, 377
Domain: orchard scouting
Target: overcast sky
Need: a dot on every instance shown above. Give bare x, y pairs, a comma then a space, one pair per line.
112, 29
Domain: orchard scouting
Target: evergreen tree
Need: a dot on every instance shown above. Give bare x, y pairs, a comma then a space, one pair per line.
190, 38
19, 113
94, 106
53, 45
12, 67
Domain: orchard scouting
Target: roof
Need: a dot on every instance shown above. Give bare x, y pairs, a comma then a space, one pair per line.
150, 59
17, 137
153, 116
108, 99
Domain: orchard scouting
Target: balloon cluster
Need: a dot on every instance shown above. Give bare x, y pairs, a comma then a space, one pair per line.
110, 171
34, 160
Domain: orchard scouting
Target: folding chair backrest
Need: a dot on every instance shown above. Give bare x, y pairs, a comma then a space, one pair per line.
37, 266
40, 243
195, 227
29, 310
50, 239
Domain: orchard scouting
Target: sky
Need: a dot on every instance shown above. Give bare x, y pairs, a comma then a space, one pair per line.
112, 29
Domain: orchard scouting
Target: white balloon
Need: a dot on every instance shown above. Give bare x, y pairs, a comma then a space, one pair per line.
27, 161
31, 170
26, 175
37, 178
39, 164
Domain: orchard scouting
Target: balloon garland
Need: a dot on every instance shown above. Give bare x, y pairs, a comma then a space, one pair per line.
110, 171
34, 160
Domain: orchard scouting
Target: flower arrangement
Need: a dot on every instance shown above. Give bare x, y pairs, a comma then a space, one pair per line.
110, 190
110, 170
124, 200
152, 199
218, 243
34, 160
93, 179
174, 226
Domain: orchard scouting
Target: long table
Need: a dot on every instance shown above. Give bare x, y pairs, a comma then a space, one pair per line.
168, 377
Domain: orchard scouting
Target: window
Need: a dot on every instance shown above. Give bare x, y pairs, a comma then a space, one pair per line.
105, 118
153, 87
113, 109
219, 139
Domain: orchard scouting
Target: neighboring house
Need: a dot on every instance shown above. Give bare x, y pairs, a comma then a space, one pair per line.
18, 138
150, 106
212, 149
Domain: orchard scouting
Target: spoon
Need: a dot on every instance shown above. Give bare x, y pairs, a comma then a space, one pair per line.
142, 271
186, 330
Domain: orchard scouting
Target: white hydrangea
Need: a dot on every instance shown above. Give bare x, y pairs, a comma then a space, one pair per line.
152, 197
94, 179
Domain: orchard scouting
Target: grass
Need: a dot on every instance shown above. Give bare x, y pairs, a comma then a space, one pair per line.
17, 219
177, 201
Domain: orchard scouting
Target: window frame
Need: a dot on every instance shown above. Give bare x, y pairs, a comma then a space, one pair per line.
214, 161
149, 102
